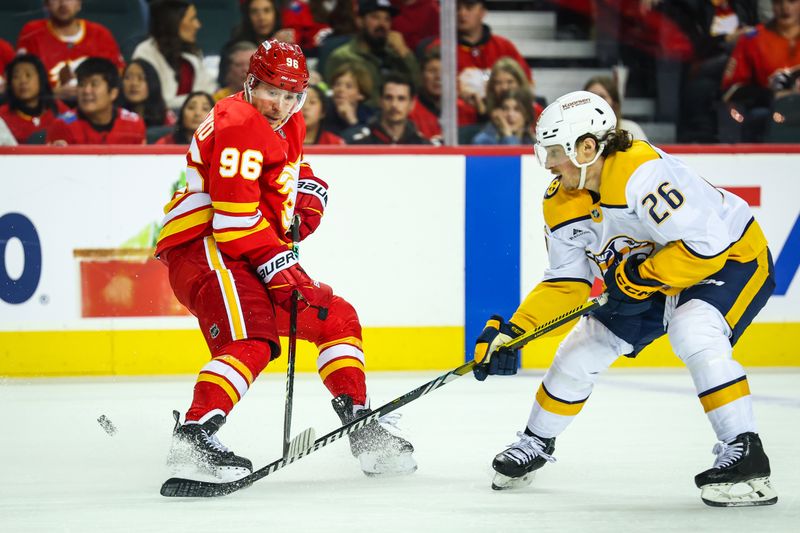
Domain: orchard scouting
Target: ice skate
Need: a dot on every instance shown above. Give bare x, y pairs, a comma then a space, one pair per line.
740, 475
197, 450
377, 446
516, 466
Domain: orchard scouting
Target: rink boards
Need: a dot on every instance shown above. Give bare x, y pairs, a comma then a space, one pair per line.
425, 243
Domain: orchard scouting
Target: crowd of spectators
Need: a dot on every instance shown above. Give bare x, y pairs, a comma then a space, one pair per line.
376, 71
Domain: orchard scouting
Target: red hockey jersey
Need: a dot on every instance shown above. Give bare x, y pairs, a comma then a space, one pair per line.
241, 183
126, 128
22, 125
38, 37
758, 57
6, 55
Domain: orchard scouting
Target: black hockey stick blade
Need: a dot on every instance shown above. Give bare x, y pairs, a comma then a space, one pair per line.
180, 487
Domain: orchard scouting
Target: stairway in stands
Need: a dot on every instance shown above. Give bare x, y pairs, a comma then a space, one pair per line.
563, 65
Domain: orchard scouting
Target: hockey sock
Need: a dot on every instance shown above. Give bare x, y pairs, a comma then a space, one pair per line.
224, 380
341, 368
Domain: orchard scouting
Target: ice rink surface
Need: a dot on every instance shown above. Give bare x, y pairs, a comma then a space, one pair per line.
626, 463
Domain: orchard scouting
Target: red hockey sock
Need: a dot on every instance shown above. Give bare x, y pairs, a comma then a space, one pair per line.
347, 380
224, 380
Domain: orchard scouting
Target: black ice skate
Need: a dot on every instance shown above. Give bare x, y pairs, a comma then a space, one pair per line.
196, 449
740, 475
516, 466
379, 450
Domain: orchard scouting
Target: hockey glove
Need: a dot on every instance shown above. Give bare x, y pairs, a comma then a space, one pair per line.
628, 293
283, 274
312, 197
490, 357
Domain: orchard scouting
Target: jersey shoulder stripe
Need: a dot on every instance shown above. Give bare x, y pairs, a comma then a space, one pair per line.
618, 169
562, 207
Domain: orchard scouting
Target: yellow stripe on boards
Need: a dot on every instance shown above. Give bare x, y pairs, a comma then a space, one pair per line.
725, 396
224, 385
169, 352
333, 366
555, 406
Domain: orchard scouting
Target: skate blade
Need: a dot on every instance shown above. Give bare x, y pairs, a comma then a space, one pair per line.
748, 493
377, 465
501, 482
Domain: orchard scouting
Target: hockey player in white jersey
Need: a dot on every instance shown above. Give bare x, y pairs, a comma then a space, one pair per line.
678, 256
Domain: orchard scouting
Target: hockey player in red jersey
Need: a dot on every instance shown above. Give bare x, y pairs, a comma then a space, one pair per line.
232, 265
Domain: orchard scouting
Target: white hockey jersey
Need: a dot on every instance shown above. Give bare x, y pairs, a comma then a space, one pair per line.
650, 203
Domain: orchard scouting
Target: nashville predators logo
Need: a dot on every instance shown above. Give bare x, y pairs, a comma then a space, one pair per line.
596, 214
552, 189
618, 249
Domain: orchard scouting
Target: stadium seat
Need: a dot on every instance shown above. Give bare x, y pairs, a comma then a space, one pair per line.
37, 137
218, 18
154, 133
14, 14
126, 19
468, 132
787, 110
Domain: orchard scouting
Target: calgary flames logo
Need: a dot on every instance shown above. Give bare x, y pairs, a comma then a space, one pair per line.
619, 248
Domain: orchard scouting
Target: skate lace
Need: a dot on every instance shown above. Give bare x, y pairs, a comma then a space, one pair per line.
213, 442
727, 454
527, 449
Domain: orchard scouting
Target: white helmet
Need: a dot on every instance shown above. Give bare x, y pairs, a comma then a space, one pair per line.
567, 119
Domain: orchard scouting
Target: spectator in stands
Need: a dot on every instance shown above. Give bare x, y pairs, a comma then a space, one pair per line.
506, 75
417, 20
512, 120
313, 21
141, 93
391, 126
97, 120
30, 105
713, 26
172, 50
764, 66
427, 108
233, 68
6, 137
6, 55
352, 86
377, 47
314, 111
192, 113
606, 88
261, 20
479, 47
63, 40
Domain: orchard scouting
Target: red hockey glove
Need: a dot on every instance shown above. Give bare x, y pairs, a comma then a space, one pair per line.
312, 197
283, 274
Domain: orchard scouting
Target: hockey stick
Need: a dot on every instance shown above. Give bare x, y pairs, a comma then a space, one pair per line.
179, 487
287, 413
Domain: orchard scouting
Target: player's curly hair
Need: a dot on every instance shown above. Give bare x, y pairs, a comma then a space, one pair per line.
615, 141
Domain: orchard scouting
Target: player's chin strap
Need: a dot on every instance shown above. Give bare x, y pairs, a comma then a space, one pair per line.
583, 166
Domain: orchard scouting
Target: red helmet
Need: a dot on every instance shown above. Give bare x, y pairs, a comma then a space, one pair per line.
280, 64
